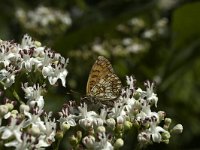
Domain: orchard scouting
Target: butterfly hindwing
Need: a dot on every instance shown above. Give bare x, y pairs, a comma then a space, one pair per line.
102, 83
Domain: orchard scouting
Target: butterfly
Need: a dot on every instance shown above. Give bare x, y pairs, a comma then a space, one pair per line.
103, 84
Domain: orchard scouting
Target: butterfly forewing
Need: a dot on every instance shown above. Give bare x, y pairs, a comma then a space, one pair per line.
102, 83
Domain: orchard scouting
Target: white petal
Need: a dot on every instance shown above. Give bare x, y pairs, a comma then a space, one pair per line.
6, 134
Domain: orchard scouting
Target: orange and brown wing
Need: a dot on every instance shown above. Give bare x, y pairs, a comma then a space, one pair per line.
100, 69
102, 82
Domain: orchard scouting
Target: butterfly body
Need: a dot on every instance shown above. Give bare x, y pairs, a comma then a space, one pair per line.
103, 84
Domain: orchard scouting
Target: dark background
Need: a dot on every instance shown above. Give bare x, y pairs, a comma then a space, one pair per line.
172, 59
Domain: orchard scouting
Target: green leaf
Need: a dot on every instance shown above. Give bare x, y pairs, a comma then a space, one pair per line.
186, 24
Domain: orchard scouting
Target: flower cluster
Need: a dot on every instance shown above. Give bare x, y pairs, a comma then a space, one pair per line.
105, 130
30, 56
44, 20
136, 36
27, 126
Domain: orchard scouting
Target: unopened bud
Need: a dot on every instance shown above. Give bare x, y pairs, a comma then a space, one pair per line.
79, 135
177, 129
166, 135
24, 108
10, 106
65, 126
127, 125
37, 43
3, 110
59, 134
101, 129
35, 131
118, 143
89, 141
161, 115
111, 123
73, 140
167, 123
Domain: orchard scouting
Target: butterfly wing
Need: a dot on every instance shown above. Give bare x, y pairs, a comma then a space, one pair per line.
102, 83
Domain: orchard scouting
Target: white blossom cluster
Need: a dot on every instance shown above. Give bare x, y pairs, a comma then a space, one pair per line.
27, 126
137, 37
44, 20
30, 56
105, 130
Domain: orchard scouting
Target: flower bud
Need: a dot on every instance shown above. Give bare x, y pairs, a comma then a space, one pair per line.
14, 113
65, 126
144, 138
118, 143
24, 108
37, 43
86, 123
177, 129
79, 135
3, 110
166, 141
119, 127
101, 129
111, 123
127, 125
161, 115
10, 106
73, 140
167, 123
35, 131
59, 134
89, 141
166, 135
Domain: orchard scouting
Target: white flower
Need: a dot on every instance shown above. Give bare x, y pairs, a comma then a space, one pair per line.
26, 143
103, 145
87, 118
48, 132
58, 73
118, 112
84, 113
66, 118
7, 76
5, 54
34, 119
27, 42
13, 129
54, 67
137, 22
149, 34
89, 141
28, 60
101, 119
151, 97
33, 94
130, 82
43, 20
156, 132
144, 137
